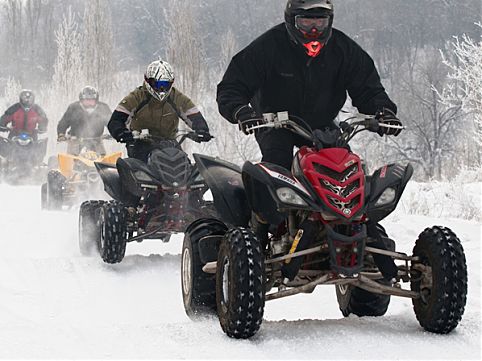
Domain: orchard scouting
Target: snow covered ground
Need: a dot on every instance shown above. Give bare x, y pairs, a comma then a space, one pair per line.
56, 304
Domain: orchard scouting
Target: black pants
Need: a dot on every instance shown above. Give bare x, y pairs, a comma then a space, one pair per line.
277, 146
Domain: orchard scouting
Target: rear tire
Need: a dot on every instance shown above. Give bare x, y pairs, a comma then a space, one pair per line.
444, 289
43, 197
240, 294
113, 232
198, 287
89, 231
361, 302
55, 186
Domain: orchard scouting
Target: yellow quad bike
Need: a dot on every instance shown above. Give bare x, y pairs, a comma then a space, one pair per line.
76, 176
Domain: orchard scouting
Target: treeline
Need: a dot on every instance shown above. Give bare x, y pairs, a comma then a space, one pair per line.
55, 46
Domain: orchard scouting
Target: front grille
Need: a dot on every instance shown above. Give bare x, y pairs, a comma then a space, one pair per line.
344, 206
339, 190
340, 177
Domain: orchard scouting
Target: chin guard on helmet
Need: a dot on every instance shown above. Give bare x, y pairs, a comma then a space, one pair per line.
313, 48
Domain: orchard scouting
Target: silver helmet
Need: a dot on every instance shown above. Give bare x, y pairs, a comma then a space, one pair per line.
158, 79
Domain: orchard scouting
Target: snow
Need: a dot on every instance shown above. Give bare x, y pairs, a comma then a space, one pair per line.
56, 304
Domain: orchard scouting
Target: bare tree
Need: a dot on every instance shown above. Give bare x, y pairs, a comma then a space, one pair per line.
29, 38
433, 128
15, 29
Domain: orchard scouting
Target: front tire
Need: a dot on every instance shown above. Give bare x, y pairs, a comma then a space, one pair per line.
442, 280
240, 294
198, 287
89, 231
113, 232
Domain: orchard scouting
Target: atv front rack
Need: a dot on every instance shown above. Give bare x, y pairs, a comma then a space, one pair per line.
364, 280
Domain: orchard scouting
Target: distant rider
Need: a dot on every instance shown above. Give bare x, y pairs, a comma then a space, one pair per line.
25, 117
157, 106
86, 119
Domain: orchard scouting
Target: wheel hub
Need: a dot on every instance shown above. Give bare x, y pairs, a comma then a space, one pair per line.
186, 271
102, 229
225, 299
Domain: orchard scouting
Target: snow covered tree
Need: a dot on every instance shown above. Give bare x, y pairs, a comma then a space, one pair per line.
98, 45
185, 49
465, 88
11, 91
68, 70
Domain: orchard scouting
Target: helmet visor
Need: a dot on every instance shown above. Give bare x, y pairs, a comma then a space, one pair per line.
312, 27
160, 86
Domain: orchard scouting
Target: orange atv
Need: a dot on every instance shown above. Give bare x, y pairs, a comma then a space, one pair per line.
76, 175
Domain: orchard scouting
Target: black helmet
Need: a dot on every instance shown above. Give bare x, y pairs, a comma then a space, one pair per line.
27, 98
309, 23
89, 92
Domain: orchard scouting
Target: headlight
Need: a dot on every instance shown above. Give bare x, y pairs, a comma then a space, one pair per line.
289, 196
387, 197
23, 141
143, 177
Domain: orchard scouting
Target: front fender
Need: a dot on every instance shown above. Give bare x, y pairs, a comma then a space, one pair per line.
395, 176
226, 184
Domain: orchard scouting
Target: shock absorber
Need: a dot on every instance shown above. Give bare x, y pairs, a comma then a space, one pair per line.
302, 241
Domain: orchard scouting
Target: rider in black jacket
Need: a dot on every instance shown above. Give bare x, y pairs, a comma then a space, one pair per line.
86, 118
305, 67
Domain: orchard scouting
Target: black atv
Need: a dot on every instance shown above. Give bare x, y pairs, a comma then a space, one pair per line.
151, 200
21, 158
323, 230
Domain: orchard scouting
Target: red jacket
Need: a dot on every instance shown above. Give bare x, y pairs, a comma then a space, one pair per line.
27, 120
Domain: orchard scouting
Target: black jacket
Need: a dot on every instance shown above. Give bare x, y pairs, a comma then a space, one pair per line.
83, 124
274, 74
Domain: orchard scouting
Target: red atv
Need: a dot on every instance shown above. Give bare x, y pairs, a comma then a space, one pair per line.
324, 230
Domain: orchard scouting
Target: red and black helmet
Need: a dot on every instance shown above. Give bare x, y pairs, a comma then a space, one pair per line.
309, 23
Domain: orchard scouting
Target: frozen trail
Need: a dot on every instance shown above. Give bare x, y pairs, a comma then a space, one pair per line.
56, 304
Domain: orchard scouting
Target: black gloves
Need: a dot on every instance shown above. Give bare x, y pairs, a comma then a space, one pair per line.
200, 126
247, 118
198, 123
387, 117
125, 137
203, 136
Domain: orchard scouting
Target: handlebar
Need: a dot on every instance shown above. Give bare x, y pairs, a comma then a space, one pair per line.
349, 128
182, 137
80, 139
